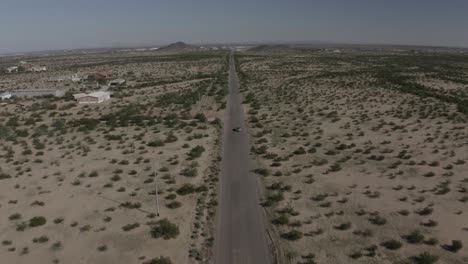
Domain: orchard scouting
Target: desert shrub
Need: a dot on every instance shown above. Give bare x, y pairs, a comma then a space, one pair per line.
281, 220
129, 227
343, 226
431, 241
41, 239
21, 226
189, 172
425, 258
186, 189
160, 260
364, 233
85, 124
275, 197
174, 205
164, 229
455, 246
58, 220
124, 162
378, 220
299, 151
429, 174
4, 176
130, 205
414, 237
392, 244
37, 221
113, 137
262, 172
356, 255
15, 216
308, 259
335, 167
56, 246
196, 152
115, 178
155, 143
102, 248
429, 223
190, 188
201, 117
170, 138
404, 212
425, 211
85, 228
292, 235
171, 196
149, 180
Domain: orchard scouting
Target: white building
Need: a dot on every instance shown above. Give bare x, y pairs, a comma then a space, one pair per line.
12, 69
38, 92
116, 82
77, 78
37, 68
92, 98
5, 95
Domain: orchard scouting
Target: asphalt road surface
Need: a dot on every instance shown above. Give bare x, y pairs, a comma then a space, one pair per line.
241, 236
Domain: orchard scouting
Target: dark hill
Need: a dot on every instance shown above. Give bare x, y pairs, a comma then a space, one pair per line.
179, 46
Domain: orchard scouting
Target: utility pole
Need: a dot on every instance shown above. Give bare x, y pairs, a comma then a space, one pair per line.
156, 187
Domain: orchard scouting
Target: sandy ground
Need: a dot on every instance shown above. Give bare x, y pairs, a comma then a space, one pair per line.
350, 164
78, 178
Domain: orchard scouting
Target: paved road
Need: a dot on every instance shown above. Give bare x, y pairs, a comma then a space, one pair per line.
241, 236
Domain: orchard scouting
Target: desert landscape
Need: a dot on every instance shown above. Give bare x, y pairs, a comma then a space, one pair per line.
362, 151
361, 154
79, 181
234, 132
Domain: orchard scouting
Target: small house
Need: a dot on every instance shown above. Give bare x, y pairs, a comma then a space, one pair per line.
116, 82
4, 96
76, 78
37, 68
91, 81
92, 98
12, 69
38, 92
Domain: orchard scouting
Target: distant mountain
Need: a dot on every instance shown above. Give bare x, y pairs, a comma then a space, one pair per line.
179, 47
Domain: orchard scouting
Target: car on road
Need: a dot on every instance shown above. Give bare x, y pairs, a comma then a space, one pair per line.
237, 129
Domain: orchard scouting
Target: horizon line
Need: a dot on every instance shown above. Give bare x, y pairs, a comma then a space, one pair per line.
247, 43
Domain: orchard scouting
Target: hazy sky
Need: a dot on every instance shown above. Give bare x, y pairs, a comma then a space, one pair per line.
27, 25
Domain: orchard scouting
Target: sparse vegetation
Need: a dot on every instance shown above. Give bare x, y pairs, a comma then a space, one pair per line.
91, 169
361, 139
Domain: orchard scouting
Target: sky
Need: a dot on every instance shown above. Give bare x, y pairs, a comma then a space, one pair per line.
36, 25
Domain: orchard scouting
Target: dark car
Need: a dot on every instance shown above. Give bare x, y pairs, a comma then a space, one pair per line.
237, 129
